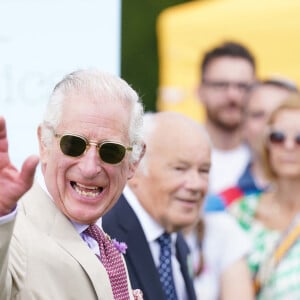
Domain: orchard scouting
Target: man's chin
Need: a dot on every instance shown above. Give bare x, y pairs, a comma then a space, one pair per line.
229, 126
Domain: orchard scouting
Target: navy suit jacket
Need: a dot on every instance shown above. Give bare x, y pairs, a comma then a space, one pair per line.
122, 223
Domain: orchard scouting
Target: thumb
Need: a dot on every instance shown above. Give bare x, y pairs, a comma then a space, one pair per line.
28, 170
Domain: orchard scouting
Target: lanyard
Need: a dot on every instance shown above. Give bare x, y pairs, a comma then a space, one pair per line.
284, 244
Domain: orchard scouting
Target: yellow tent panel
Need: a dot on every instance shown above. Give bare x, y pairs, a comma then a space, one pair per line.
270, 28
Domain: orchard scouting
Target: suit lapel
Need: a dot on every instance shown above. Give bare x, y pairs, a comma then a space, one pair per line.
182, 253
76, 247
138, 256
45, 214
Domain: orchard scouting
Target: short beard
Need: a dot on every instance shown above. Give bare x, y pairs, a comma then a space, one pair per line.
223, 125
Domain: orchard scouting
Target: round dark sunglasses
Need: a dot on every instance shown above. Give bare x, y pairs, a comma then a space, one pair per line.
76, 145
279, 138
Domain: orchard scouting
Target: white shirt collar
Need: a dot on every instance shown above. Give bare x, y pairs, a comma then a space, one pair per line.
151, 228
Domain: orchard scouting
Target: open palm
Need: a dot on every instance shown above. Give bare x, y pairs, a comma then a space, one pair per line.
13, 183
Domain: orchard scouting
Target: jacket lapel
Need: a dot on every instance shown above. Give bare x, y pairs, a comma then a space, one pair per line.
42, 210
138, 256
182, 252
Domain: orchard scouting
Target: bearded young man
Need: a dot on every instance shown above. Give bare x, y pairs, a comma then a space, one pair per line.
228, 73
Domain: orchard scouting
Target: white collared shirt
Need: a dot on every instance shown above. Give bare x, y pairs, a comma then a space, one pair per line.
92, 244
152, 231
9, 217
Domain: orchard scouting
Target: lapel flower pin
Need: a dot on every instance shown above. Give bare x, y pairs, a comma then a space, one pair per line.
120, 246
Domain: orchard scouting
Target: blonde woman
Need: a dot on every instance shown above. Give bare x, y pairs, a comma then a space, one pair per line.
272, 218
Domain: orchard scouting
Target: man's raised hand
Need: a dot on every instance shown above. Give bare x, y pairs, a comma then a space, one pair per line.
13, 183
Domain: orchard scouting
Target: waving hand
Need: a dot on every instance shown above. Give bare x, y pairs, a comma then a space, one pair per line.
13, 183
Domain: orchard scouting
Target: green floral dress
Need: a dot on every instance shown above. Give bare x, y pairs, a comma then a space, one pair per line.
281, 282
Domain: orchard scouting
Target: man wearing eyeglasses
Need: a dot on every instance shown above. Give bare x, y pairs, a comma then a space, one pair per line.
263, 98
228, 72
52, 245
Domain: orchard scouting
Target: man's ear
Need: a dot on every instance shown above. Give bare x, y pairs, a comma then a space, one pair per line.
133, 165
42, 146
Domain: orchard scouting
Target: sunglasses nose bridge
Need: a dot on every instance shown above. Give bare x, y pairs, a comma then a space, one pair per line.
92, 143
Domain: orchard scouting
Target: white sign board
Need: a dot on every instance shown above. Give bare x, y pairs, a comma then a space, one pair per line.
41, 41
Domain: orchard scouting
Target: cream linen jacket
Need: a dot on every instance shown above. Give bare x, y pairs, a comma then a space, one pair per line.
42, 257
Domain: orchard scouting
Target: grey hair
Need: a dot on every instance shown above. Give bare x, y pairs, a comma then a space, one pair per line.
100, 85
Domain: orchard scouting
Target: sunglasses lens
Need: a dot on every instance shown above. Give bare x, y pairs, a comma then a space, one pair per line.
277, 137
112, 153
72, 145
297, 139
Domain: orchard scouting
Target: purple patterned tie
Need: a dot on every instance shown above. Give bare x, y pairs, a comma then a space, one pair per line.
112, 261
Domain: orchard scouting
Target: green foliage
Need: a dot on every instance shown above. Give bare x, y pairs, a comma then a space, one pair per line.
139, 59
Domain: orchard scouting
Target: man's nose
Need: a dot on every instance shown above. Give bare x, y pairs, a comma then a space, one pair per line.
90, 163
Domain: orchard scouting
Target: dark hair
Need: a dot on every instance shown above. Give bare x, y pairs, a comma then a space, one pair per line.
276, 82
281, 82
231, 49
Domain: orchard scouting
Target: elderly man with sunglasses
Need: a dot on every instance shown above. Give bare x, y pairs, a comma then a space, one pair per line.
52, 245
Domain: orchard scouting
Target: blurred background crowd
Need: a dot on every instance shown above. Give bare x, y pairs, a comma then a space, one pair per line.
232, 66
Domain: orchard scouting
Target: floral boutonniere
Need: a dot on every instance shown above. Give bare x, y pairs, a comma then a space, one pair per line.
120, 246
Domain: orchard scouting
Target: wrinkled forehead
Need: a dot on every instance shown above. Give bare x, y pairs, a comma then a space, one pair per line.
84, 108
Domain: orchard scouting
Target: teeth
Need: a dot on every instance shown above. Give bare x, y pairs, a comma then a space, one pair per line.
83, 193
87, 187
92, 191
